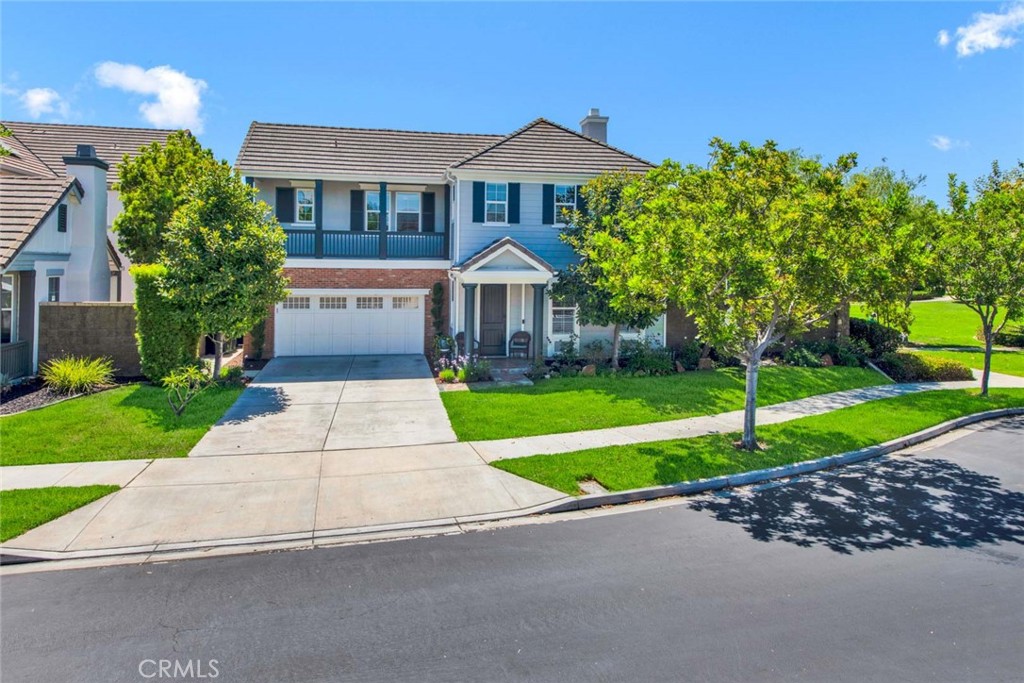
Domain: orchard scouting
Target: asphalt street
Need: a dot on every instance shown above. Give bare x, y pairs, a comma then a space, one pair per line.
907, 568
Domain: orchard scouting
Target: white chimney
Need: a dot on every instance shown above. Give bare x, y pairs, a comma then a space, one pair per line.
88, 272
594, 125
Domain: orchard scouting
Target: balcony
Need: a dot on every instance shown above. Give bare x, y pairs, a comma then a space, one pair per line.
343, 244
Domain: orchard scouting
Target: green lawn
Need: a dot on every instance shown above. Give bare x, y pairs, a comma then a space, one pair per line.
938, 323
128, 422
1006, 362
24, 509
668, 462
572, 404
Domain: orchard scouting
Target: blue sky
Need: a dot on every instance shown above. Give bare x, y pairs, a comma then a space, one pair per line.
828, 78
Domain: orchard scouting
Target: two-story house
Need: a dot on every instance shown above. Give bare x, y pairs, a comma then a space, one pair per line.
375, 218
57, 206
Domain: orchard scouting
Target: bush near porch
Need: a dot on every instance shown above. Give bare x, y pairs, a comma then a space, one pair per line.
561, 405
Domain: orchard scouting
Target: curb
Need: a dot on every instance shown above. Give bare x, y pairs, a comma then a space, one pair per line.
310, 539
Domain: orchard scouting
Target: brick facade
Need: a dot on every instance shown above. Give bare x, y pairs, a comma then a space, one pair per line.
92, 330
366, 278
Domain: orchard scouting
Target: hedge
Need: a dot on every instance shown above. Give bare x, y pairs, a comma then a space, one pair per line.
166, 340
880, 338
912, 367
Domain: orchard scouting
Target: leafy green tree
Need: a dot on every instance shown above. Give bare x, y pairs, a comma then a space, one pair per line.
5, 132
152, 186
903, 227
224, 253
581, 281
980, 257
760, 244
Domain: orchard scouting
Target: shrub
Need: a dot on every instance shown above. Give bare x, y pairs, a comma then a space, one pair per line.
74, 375
644, 356
259, 339
476, 370
538, 370
437, 308
1012, 335
167, 340
689, 354
233, 376
912, 367
801, 357
182, 385
447, 375
566, 352
880, 338
594, 352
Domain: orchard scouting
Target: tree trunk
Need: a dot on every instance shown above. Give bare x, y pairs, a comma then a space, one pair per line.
750, 402
616, 345
988, 358
218, 353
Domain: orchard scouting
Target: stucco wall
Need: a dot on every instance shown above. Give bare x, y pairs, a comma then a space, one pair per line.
92, 330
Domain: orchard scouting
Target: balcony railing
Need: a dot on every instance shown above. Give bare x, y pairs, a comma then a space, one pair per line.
365, 245
16, 359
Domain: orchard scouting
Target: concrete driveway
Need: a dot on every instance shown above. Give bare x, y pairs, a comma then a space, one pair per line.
332, 403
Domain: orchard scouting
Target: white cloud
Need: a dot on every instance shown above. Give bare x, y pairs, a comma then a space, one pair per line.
39, 101
178, 97
944, 143
987, 31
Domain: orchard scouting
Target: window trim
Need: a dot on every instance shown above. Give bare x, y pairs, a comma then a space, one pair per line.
311, 194
50, 280
562, 336
419, 211
504, 203
558, 205
367, 211
14, 307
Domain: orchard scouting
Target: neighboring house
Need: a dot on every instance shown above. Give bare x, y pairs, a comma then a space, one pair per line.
375, 218
56, 209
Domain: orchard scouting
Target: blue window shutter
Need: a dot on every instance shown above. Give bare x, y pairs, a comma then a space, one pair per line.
427, 219
478, 202
62, 218
548, 205
357, 211
513, 202
581, 202
285, 205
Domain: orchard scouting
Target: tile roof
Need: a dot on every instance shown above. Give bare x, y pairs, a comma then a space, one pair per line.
283, 148
21, 160
50, 142
548, 147
26, 203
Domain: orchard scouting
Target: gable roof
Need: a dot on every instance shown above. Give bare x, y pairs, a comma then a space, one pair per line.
544, 146
51, 142
27, 201
21, 160
498, 245
284, 148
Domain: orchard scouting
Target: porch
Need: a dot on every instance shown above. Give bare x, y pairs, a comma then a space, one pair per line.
17, 331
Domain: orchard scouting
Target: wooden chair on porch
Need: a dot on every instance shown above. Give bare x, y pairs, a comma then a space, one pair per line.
460, 342
519, 344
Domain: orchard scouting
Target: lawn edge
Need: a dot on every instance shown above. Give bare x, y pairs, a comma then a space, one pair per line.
695, 486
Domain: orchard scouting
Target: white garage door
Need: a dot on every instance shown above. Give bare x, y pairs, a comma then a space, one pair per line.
348, 324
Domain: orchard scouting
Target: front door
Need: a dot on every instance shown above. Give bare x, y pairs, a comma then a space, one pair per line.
492, 320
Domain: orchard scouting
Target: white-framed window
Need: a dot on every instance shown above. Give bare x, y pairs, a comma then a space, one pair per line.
407, 303
333, 302
563, 316
373, 210
304, 204
369, 302
407, 211
8, 331
496, 203
296, 303
565, 201
53, 288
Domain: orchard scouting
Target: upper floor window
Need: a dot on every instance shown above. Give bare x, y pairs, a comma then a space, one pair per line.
407, 211
496, 203
304, 206
565, 202
373, 210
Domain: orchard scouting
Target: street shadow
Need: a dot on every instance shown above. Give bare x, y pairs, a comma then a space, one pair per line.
256, 402
893, 503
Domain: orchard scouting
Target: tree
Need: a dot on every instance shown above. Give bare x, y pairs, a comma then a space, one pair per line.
980, 257
5, 132
224, 253
581, 281
760, 244
152, 186
905, 229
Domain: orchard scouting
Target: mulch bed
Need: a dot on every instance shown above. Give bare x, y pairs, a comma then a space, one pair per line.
255, 364
32, 394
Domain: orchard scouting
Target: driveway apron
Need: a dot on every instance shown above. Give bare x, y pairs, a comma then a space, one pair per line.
332, 403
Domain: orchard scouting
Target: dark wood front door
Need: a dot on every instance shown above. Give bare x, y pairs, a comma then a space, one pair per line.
492, 320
